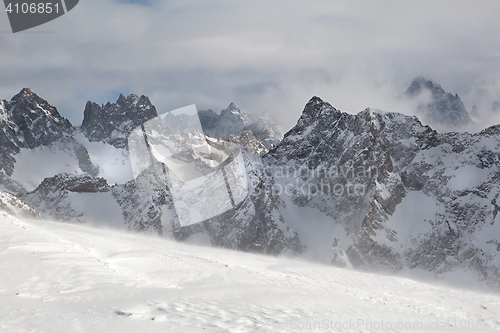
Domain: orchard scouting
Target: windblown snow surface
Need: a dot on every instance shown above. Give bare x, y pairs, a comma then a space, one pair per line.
59, 277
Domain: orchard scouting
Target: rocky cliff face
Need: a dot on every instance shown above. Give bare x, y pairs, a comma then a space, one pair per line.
27, 110
113, 122
36, 142
9, 139
28, 121
249, 143
256, 224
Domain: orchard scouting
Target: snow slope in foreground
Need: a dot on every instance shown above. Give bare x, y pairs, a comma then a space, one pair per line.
68, 278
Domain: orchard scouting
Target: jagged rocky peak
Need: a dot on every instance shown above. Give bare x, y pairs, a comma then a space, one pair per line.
141, 102
231, 109
318, 116
317, 108
36, 122
438, 107
27, 101
420, 83
232, 121
27, 121
113, 122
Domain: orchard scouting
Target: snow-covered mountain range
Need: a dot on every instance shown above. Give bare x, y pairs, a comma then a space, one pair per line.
397, 194
375, 190
83, 174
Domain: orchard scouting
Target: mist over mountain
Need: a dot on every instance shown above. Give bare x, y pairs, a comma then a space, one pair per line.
345, 189
232, 121
438, 107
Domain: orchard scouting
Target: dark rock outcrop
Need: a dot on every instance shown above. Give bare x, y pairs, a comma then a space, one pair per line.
113, 122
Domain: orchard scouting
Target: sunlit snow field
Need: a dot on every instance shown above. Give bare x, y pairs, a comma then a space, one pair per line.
59, 277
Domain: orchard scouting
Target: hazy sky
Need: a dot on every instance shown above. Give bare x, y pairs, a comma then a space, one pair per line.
263, 55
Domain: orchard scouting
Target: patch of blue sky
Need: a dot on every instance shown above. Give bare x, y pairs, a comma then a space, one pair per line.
137, 2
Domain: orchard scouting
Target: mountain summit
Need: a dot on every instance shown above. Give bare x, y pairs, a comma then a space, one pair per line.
113, 122
232, 121
28, 121
438, 107
37, 122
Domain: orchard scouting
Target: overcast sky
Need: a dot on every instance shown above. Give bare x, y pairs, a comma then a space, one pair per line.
267, 56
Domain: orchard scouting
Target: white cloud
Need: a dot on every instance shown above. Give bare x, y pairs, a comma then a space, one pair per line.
263, 55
